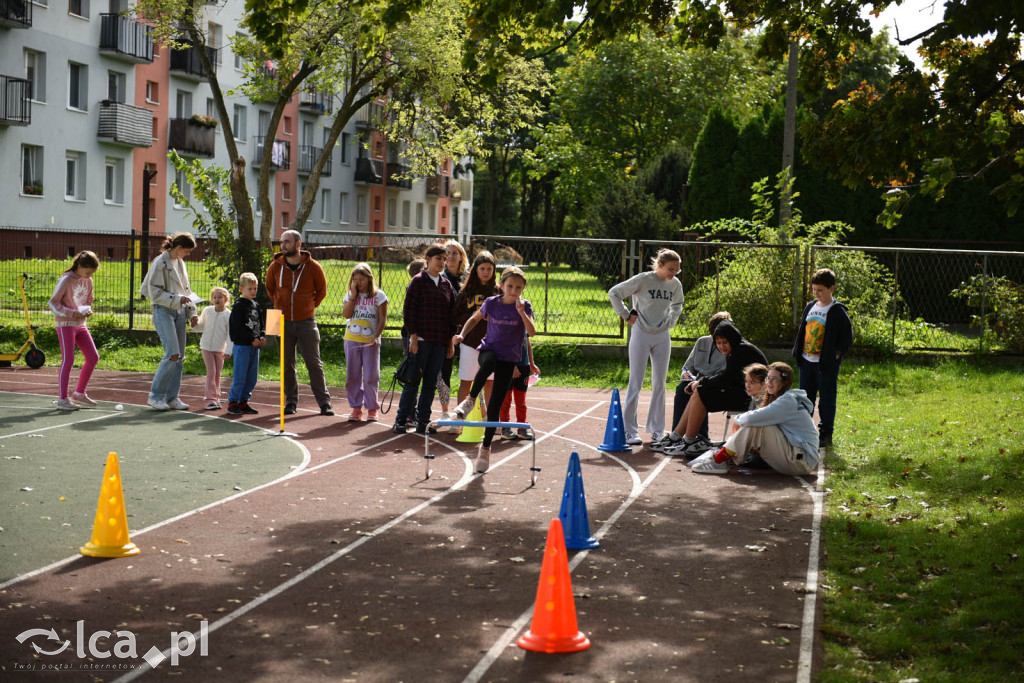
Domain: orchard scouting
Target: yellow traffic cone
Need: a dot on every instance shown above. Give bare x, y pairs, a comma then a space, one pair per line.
472, 434
110, 531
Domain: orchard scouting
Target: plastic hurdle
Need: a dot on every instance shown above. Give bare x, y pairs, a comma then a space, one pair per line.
476, 423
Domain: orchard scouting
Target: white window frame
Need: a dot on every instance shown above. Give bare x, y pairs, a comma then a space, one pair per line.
406, 213
286, 192
31, 156
120, 79
74, 176
181, 182
83, 10
35, 73
343, 208
362, 204
392, 212
432, 217
113, 181
239, 121
183, 104
152, 92
82, 85
419, 215
325, 206
346, 142
239, 62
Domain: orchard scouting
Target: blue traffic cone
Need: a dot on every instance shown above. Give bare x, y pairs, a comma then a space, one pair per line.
573, 513
615, 431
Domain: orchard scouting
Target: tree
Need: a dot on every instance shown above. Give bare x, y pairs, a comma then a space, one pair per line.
711, 174
359, 52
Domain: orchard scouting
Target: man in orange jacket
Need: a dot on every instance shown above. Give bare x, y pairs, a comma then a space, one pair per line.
296, 284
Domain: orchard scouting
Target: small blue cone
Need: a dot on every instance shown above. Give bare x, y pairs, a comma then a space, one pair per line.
573, 513
615, 432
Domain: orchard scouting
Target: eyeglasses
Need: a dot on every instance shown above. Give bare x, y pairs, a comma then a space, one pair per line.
772, 380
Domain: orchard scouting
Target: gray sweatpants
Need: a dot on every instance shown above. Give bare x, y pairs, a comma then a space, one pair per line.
657, 347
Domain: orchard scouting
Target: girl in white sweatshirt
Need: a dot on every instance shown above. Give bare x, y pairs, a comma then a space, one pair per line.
656, 297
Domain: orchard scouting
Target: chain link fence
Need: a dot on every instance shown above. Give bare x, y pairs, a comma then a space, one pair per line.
899, 299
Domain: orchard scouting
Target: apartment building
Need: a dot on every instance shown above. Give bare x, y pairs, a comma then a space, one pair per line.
89, 108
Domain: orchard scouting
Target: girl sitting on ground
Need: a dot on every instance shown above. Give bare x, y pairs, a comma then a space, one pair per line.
782, 431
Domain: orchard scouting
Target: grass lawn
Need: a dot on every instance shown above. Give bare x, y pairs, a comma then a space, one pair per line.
922, 576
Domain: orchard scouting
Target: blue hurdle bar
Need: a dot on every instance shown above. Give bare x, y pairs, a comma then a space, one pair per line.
476, 423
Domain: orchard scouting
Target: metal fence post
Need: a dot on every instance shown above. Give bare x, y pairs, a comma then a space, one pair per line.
131, 280
984, 291
547, 283
895, 302
797, 298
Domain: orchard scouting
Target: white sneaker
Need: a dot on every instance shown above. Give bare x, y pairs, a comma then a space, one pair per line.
82, 399
634, 440
706, 464
158, 404
483, 458
710, 452
66, 404
177, 404
465, 408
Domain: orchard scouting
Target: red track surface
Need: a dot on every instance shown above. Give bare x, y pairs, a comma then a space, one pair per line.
358, 569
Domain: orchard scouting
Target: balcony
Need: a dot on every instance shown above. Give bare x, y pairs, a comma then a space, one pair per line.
315, 101
370, 115
123, 124
438, 185
461, 189
280, 154
188, 63
369, 171
15, 105
394, 171
307, 160
192, 138
16, 13
125, 38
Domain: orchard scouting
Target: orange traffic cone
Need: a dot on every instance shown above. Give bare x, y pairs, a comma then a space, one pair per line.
554, 628
110, 531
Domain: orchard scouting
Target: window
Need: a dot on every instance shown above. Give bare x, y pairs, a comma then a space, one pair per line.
287, 125
117, 84
239, 62
361, 209
325, 206
181, 183
79, 8
32, 170
238, 122
215, 36
465, 220
419, 215
183, 104
377, 207
113, 181
78, 86
286, 192
74, 176
35, 74
152, 92
432, 217
286, 220
346, 140
156, 128
211, 111
263, 123
343, 207
444, 213
405, 213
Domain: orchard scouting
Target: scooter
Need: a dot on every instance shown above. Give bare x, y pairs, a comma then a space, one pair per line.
34, 358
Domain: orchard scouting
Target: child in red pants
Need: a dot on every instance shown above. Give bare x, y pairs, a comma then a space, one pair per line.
520, 383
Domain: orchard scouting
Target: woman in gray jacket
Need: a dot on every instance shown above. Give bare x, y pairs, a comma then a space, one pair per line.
657, 300
782, 429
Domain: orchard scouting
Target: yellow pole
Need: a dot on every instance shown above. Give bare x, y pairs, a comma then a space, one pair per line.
280, 355
275, 326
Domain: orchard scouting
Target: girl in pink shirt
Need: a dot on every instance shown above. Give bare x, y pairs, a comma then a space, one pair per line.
71, 304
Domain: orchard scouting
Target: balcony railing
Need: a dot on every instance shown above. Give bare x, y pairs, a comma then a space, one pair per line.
192, 138
16, 13
124, 124
280, 154
15, 104
126, 39
461, 189
187, 62
307, 160
438, 185
370, 115
394, 171
313, 100
369, 171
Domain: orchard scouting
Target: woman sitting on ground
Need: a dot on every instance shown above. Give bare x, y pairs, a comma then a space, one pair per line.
723, 390
782, 431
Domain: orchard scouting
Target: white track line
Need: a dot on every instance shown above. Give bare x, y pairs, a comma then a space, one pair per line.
61, 426
498, 648
327, 561
807, 631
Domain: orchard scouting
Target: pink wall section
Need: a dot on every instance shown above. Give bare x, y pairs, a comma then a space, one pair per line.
158, 73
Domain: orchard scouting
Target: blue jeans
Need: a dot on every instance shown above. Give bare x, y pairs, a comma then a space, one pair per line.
170, 326
429, 359
246, 372
822, 385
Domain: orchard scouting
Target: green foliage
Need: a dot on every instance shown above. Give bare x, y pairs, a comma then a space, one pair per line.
710, 174
1000, 305
665, 177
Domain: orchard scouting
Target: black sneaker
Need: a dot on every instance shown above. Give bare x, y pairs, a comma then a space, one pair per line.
247, 409
289, 408
424, 428
825, 441
326, 409
400, 427
233, 409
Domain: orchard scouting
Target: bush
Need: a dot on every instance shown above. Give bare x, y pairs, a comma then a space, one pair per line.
1000, 306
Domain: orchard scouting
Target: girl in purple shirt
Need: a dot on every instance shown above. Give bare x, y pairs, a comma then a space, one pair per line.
509, 319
